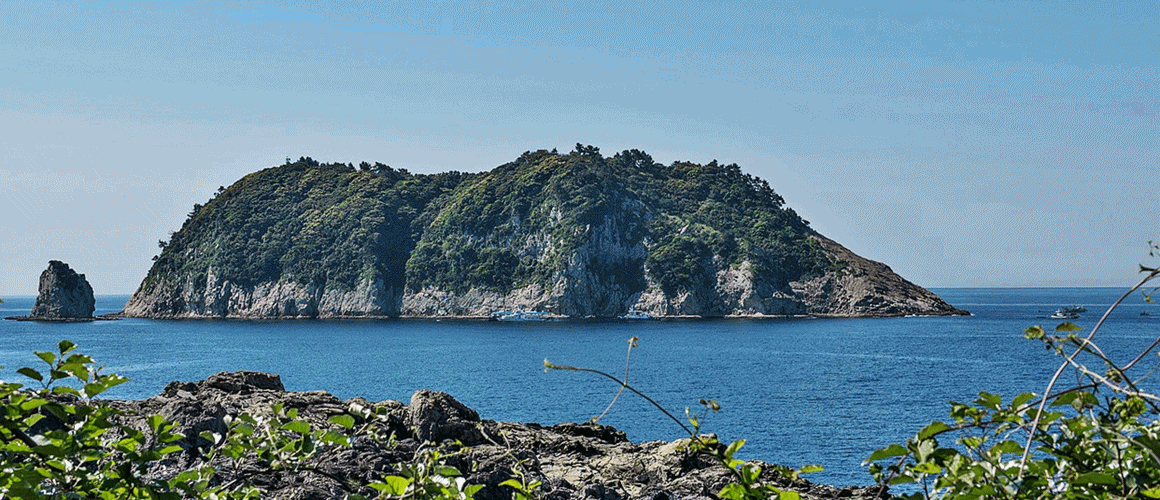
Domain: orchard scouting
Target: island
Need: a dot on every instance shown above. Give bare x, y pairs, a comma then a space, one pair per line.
576, 235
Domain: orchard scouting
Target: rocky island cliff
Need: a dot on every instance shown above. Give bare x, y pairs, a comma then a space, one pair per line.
577, 235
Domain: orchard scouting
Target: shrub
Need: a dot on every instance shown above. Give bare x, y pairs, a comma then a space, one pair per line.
57, 442
1097, 439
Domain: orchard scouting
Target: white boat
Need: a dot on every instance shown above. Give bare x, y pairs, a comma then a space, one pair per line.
634, 314
519, 316
1065, 313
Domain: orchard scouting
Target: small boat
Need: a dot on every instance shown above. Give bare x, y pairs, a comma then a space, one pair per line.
1067, 312
634, 314
519, 316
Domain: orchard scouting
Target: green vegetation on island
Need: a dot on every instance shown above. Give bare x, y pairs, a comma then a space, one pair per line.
578, 234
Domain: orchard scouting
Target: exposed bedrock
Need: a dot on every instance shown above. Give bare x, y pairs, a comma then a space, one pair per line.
572, 460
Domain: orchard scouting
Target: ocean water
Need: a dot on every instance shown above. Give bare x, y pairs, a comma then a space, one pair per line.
800, 391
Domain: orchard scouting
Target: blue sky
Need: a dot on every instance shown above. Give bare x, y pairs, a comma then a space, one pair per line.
962, 143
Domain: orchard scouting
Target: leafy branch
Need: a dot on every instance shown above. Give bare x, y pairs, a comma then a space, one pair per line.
1069, 444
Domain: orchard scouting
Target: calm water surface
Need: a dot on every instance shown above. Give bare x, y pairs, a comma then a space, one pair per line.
800, 391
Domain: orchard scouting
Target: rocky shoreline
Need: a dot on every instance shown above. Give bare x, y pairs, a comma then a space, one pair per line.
102, 317
581, 461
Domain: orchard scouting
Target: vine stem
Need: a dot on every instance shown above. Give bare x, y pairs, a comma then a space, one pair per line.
624, 385
627, 362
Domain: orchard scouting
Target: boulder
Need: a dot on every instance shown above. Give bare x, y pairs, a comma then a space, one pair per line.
63, 294
436, 416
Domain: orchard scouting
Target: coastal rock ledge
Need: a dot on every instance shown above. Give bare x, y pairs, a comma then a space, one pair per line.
579, 461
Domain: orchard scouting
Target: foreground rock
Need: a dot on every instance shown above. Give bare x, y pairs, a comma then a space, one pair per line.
572, 460
63, 294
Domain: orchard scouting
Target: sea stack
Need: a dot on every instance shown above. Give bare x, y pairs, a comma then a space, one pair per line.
63, 294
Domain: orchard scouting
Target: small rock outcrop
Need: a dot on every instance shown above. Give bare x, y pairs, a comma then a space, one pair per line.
571, 460
63, 294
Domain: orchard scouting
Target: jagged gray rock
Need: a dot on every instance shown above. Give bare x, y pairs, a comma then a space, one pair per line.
436, 416
577, 461
866, 288
63, 294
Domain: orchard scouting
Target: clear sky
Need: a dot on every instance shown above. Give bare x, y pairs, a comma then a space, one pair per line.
962, 143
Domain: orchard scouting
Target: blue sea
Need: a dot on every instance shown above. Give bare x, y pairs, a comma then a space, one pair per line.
800, 391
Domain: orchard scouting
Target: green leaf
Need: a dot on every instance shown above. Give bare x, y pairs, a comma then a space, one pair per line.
1007, 447
1067, 326
64, 389
94, 388
155, 422
1094, 478
788, 495
989, 400
335, 438
1034, 332
32, 374
932, 429
732, 491
169, 449
893, 450
298, 426
52, 451
1077, 400
48, 357
212, 437
902, 480
926, 468
734, 447
1021, 399
65, 346
971, 441
810, 469
445, 471
346, 421
33, 404
396, 485
33, 419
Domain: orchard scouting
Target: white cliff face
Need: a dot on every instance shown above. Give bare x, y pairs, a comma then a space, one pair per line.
606, 277
584, 288
265, 300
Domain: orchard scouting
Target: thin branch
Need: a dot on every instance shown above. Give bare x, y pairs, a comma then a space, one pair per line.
1058, 372
1142, 354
